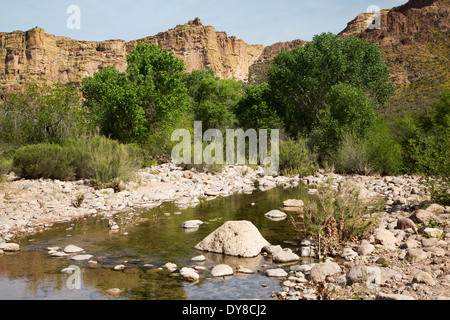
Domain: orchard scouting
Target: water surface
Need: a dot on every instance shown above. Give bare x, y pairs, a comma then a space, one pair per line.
152, 238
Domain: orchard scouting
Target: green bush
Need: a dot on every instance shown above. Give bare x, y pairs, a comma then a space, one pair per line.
44, 160
352, 156
98, 158
104, 160
296, 158
375, 153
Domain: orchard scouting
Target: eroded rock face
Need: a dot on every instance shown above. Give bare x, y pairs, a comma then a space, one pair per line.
35, 55
235, 238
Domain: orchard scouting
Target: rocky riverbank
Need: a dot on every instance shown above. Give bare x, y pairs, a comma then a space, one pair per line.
28, 206
406, 257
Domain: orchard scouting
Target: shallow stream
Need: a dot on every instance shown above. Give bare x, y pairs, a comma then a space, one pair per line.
150, 238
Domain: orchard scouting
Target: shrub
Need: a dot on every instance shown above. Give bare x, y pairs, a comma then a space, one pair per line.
104, 160
376, 153
44, 160
353, 155
42, 113
336, 216
296, 158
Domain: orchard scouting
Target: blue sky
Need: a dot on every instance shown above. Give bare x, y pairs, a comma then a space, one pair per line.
255, 21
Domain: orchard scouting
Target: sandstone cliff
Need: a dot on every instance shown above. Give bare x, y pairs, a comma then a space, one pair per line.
414, 39
37, 56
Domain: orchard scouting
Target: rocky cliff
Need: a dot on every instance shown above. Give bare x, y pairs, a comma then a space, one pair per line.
414, 39
35, 55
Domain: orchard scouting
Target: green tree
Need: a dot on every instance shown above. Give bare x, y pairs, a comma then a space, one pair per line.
304, 76
42, 113
258, 108
212, 99
347, 109
115, 105
142, 105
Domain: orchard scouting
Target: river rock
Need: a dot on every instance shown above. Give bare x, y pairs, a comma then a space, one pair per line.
272, 249
365, 248
222, 270
189, 274
199, 258
433, 232
285, 256
234, 238
114, 292
276, 214
276, 273
82, 257
293, 203
422, 216
9, 247
192, 224
414, 255
424, 277
321, 270
393, 296
385, 237
73, 249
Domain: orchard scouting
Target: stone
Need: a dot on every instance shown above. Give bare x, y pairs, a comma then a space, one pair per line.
9, 247
189, 274
422, 216
276, 273
436, 208
424, 277
272, 249
411, 243
365, 248
301, 268
192, 224
284, 256
81, 257
433, 232
349, 254
199, 258
119, 267
114, 292
307, 251
222, 270
293, 203
435, 251
393, 296
276, 214
385, 237
414, 255
73, 249
321, 270
234, 238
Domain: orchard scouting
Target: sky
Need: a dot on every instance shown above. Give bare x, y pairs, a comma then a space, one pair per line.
254, 21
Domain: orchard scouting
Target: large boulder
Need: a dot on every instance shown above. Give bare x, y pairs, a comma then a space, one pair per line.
234, 238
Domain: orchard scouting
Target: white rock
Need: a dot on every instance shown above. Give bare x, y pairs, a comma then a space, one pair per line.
81, 257
293, 203
73, 249
222, 270
385, 237
199, 258
189, 274
235, 238
321, 270
10, 247
277, 273
285, 256
433, 232
276, 214
192, 224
